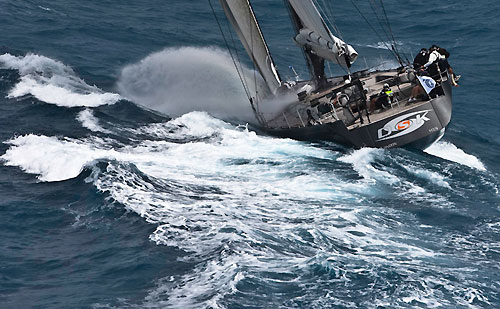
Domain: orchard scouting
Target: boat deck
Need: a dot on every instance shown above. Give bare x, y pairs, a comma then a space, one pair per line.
295, 115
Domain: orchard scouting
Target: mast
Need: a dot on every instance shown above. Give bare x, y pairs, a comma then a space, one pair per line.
316, 39
242, 17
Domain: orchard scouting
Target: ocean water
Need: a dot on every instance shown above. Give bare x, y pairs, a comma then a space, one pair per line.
129, 177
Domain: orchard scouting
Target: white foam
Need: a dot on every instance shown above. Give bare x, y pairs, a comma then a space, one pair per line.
433, 177
362, 160
51, 158
176, 81
44, 8
448, 151
242, 205
221, 276
53, 82
89, 121
41, 154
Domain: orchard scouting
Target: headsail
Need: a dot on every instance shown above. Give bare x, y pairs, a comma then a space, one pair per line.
313, 34
242, 17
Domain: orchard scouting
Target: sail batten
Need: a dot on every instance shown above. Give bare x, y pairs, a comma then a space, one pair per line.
242, 17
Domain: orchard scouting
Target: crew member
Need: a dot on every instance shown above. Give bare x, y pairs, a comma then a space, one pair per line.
441, 50
383, 100
438, 59
421, 58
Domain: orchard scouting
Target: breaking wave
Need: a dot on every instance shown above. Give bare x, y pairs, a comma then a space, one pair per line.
53, 82
89, 121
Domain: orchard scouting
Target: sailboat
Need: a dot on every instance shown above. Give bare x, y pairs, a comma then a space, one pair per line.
342, 109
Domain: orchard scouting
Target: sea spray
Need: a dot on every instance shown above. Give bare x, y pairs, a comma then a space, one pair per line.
176, 81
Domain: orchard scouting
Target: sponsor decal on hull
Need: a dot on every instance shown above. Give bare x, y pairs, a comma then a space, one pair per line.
403, 125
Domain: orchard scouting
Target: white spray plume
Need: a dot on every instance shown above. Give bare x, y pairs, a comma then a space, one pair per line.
176, 81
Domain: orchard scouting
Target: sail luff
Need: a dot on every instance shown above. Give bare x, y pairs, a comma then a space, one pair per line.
242, 17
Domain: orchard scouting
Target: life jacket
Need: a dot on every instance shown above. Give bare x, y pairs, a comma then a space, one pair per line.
388, 94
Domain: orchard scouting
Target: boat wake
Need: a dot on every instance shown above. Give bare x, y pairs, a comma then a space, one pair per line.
287, 218
448, 151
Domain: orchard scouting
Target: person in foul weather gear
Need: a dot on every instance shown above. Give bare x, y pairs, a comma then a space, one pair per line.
421, 58
383, 100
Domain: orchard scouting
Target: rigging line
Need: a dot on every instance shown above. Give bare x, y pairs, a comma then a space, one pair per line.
229, 50
391, 32
323, 9
387, 21
296, 31
332, 24
328, 5
382, 40
369, 24
337, 30
380, 21
386, 27
373, 29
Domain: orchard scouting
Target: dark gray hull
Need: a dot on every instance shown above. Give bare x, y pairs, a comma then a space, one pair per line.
417, 127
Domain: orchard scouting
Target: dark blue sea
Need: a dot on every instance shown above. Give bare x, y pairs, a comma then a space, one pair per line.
129, 177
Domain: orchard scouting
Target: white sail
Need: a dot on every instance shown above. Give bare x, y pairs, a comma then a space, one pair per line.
241, 16
315, 34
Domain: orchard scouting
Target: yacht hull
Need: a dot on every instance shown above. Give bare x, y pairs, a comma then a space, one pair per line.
417, 127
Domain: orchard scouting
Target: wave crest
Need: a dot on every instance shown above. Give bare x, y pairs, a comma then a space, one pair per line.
53, 82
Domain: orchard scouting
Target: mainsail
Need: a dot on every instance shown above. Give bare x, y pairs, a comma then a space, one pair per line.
242, 17
314, 35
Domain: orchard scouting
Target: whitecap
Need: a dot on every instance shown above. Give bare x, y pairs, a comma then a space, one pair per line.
89, 121
384, 45
51, 158
53, 82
